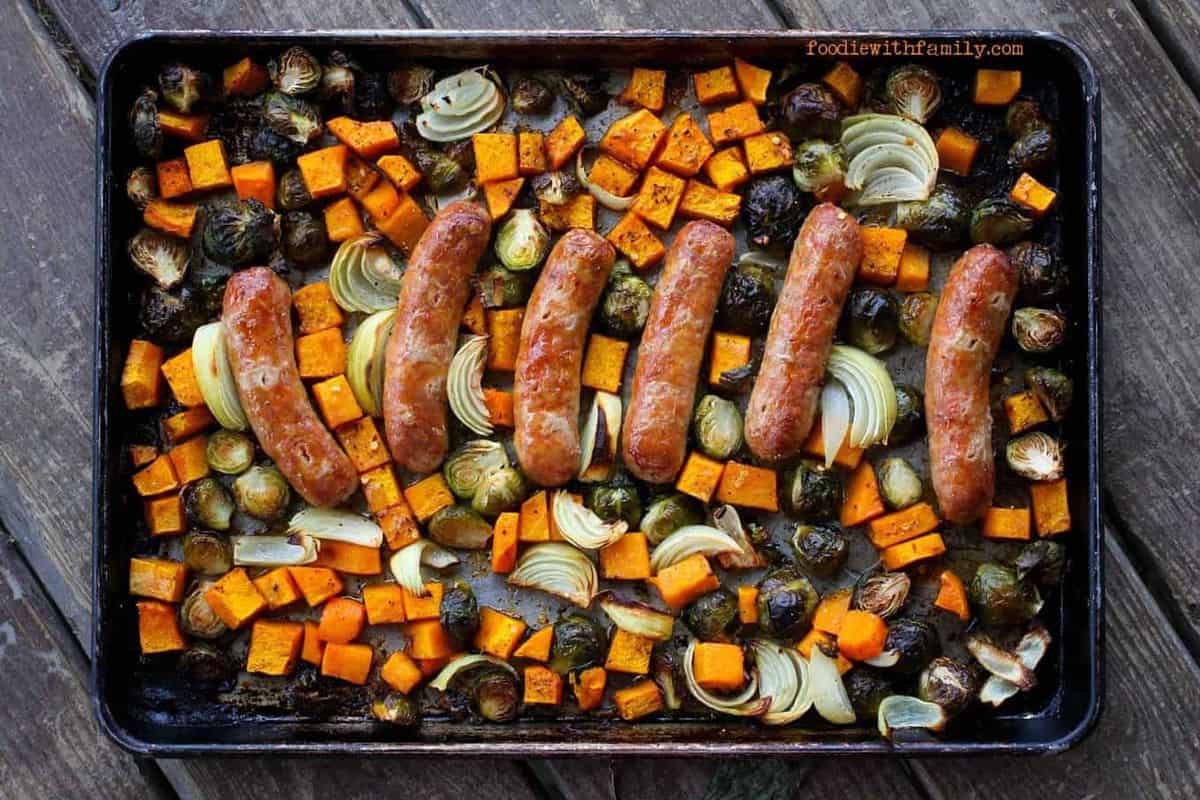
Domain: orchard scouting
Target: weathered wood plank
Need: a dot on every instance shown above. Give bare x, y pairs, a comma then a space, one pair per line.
597, 15
50, 744
1176, 24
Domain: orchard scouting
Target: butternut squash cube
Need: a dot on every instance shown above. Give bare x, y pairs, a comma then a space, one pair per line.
142, 454
847, 455
682, 582
639, 700
274, 647
500, 196
505, 535
428, 496
901, 555
426, 607
404, 226
400, 171
626, 559
157, 478
190, 459
255, 181
537, 646
900, 526
315, 306
498, 633
317, 584
686, 148
716, 86
321, 354
366, 139
158, 628
701, 201
748, 605
531, 152
349, 662
349, 559
767, 152
336, 401
604, 363
629, 653
588, 686
748, 487
244, 78
361, 178
278, 588
882, 248
636, 241
535, 519
500, 407
729, 351
1024, 411
846, 84
401, 673
646, 88
428, 640
659, 197
324, 170
176, 219
381, 202
380, 488
734, 123
141, 379
719, 666
633, 139
542, 686
495, 156
164, 515
504, 328
727, 169
207, 165
189, 127
235, 599
612, 176
1029, 193
913, 272
384, 603
173, 178
1006, 523
474, 319
956, 151
578, 212
752, 80
399, 525
181, 377
564, 141
996, 87
313, 649
342, 220
700, 476
363, 444
1051, 508
862, 501
157, 578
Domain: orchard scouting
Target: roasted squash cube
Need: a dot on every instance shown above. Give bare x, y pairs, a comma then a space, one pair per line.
342, 620
1051, 508
498, 633
684, 581
924, 547
847, 455
399, 525
274, 647
428, 640
700, 476
727, 169
686, 148
719, 666
537, 646
381, 202
646, 88
425, 607
142, 454
235, 599
321, 354
174, 180
500, 196
157, 478
1006, 523
626, 559
956, 151
729, 351
767, 152
736, 122
428, 496
913, 272
629, 653
588, 686
1024, 411
176, 219
278, 588
401, 673
504, 328
639, 700
752, 80
336, 401
315, 306
141, 379
535, 518
578, 212
633, 139
863, 502
612, 176
846, 84
400, 171
748, 487
701, 201
361, 178
207, 165
716, 86
158, 628
500, 407
531, 152
181, 377
349, 558
255, 181
244, 78
564, 141
380, 488
157, 578
542, 686
165, 515
367, 139
363, 444
189, 127
1031, 194
404, 226
659, 197
996, 87
604, 363
190, 459
384, 603
882, 248
505, 535
349, 662
342, 220
324, 170
313, 648
495, 156
317, 584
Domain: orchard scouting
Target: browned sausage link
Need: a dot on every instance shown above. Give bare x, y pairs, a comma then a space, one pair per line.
784, 401
433, 295
677, 327
967, 328
546, 384
258, 332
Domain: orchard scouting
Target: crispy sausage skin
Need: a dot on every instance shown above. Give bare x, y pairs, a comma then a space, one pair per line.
673, 343
783, 402
967, 328
258, 333
546, 384
433, 294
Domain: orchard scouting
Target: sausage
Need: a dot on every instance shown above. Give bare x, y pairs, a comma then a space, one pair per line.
546, 383
783, 403
673, 343
967, 329
258, 335
433, 295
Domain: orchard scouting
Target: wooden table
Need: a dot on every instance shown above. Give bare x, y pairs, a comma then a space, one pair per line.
1148, 743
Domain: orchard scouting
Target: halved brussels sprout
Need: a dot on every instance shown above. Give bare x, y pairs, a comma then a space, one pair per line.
882, 593
337, 82
208, 505
616, 502
1042, 562
914, 92
262, 492
500, 287
717, 425
810, 111
999, 221
772, 210
1043, 277
240, 233
459, 612
371, 98
821, 549
182, 87
229, 452
1034, 151
292, 192
1038, 330
819, 165
203, 663
910, 416
1000, 597
625, 305
579, 641
462, 153
197, 617
440, 172
163, 258
304, 240
530, 96
713, 617
872, 320
811, 492
500, 490
747, 300
668, 514
555, 188
207, 553
949, 683
867, 688
268, 145
141, 187
915, 641
409, 83
460, 527
1035, 456
916, 317
1022, 116
144, 126
786, 602
470, 463
173, 317
296, 71
664, 671
939, 222
585, 92
1054, 389
291, 117
522, 241
900, 483
495, 694
397, 709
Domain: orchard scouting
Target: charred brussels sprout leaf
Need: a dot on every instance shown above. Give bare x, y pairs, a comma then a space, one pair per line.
208, 505
172, 317
1043, 277
821, 549
867, 688
262, 492
717, 425
522, 241
625, 305
1034, 151
271, 146
296, 71
495, 694
786, 602
916, 317
408, 84
810, 111
396, 709
872, 320
915, 641
914, 92
616, 502
1042, 562
459, 613
1000, 597
207, 553
197, 617
772, 210
144, 126
949, 683
747, 300
910, 416
714, 617
668, 514
161, 257
900, 483
811, 492
141, 187
205, 664
585, 93
939, 222
999, 221
291, 117
371, 98
240, 233
1038, 330
440, 172
530, 96
499, 491
579, 642
183, 87
818, 165
1054, 389
292, 192
500, 287
304, 239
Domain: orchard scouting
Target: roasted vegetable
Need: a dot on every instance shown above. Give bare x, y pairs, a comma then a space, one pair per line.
1038, 330
819, 165
914, 641
910, 415
786, 602
292, 194
208, 505
949, 683
495, 694
172, 317
900, 483
668, 514
916, 317
371, 98
882, 593
144, 126
459, 613
1042, 562
772, 210
530, 96
240, 233
717, 426
821, 548
579, 642
460, 105
409, 83
197, 617
1043, 277
872, 320
713, 617
337, 82
522, 241
999, 221
1054, 389
468, 465
810, 111
204, 663
939, 222
262, 492
555, 188
141, 187
811, 492
892, 159
229, 452
396, 708
747, 300
664, 669
500, 490
183, 87
296, 71
236, 122
625, 304
914, 92
500, 287
1022, 116
1034, 151
291, 117
161, 257
460, 527
616, 501
1035, 456
303, 238
440, 172
867, 688
207, 553
1000, 597
268, 145
585, 93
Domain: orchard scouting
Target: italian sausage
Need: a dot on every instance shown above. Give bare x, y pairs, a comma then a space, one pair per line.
546, 383
967, 328
258, 334
821, 268
677, 328
433, 294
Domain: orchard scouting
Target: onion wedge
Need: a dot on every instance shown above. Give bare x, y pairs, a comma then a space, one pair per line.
464, 663
559, 569
460, 105
900, 711
215, 377
600, 438
638, 618
891, 159
1030, 651
336, 525
727, 520
464, 386
580, 526
365, 360
1000, 662
828, 691
743, 704
362, 276
689, 540
407, 561
274, 551
783, 677
871, 391
835, 419
604, 197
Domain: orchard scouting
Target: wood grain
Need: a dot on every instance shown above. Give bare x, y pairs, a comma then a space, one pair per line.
1176, 25
598, 15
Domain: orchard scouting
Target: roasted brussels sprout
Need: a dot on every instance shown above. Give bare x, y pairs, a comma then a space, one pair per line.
555, 188
292, 193
772, 210
271, 146
462, 153
408, 84
949, 683
910, 416
747, 300
616, 501
459, 613
1053, 388
916, 317
819, 165
197, 617
1034, 151
768, 549
161, 257
303, 238
173, 317
821, 548
717, 426
1035, 456
236, 122
530, 96
1043, 277
625, 305
439, 172
1038, 330
872, 320
915, 641
579, 641
522, 241
1000, 597
207, 553
229, 452
291, 117
397, 709
262, 492
500, 287
240, 233
1022, 116
914, 92
144, 126
203, 663
882, 593
867, 688
141, 187
668, 514
467, 466
810, 111
713, 617
500, 490
786, 602
296, 71
495, 694
900, 483
939, 222
208, 505
183, 87
811, 492
664, 670
999, 221
337, 82
585, 93
1042, 562
371, 98
460, 527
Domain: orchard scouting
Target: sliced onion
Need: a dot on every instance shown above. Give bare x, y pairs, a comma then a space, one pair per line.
728, 521
581, 526
274, 551
451, 671
365, 359
835, 419
689, 540
407, 561
362, 276
460, 105
885, 660
1001, 663
762, 258
336, 525
604, 197
867, 130
783, 677
900, 711
638, 618
743, 704
559, 569
1030, 651
871, 391
215, 377
828, 691
464, 386
600, 438
892, 159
